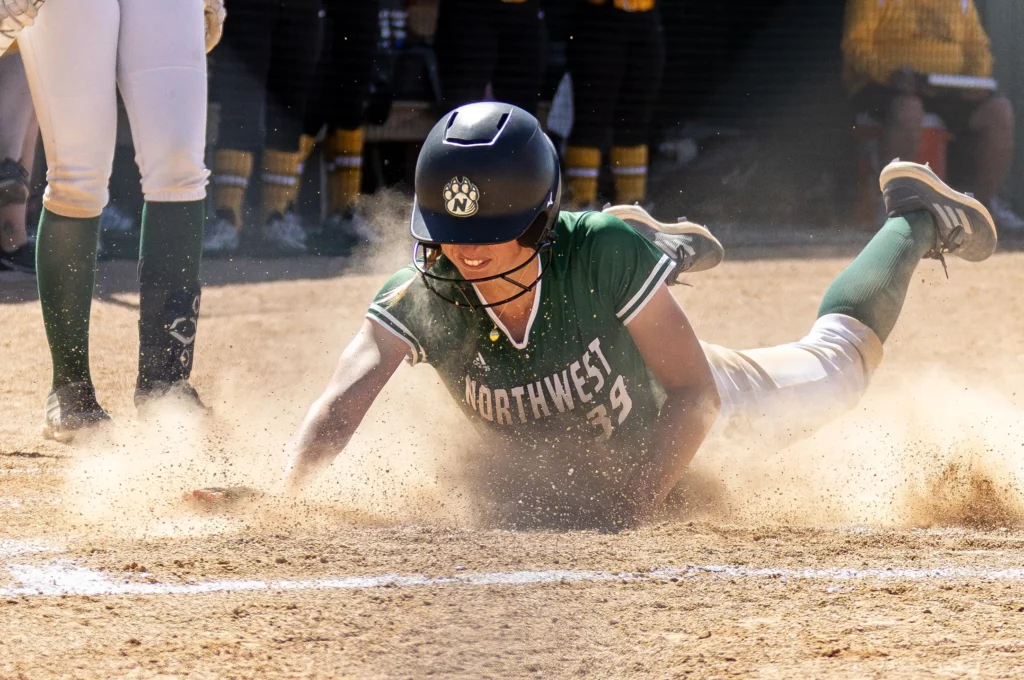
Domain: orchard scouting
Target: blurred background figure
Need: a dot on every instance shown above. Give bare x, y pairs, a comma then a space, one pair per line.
491, 49
339, 99
262, 74
616, 57
18, 135
896, 54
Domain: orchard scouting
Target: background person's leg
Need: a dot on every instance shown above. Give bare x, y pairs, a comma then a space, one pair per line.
162, 76
992, 130
465, 56
901, 130
238, 84
16, 251
294, 50
18, 134
634, 108
519, 66
349, 66
596, 59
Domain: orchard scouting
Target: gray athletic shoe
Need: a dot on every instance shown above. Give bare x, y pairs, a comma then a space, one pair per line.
963, 226
692, 246
69, 409
221, 238
284, 235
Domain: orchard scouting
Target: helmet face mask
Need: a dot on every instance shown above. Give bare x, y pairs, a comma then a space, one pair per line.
487, 174
425, 256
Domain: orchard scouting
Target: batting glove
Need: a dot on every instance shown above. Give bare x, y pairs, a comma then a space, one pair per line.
214, 15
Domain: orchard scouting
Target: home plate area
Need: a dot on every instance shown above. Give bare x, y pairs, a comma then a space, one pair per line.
890, 545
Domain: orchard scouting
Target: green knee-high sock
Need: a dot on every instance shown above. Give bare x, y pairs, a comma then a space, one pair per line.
169, 257
873, 287
65, 274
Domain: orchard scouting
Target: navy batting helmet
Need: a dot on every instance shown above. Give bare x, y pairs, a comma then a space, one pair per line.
487, 173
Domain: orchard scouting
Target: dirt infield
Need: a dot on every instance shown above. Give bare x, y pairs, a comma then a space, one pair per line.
889, 545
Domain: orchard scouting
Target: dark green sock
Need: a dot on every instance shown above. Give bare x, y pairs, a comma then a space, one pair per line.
873, 287
66, 274
169, 257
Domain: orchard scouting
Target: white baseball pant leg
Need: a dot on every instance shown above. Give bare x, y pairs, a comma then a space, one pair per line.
76, 54
778, 395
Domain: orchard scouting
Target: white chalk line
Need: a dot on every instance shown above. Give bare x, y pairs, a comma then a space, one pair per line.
65, 577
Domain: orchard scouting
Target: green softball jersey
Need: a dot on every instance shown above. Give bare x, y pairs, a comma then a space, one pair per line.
578, 379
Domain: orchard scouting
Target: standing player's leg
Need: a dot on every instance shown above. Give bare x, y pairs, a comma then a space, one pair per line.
466, 45
293, 56
162, 77
70, 57
349, 69
596, 59
239, 85
634, 108
793, 389
519, 67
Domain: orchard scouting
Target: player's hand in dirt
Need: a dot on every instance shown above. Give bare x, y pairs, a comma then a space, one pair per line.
215, 498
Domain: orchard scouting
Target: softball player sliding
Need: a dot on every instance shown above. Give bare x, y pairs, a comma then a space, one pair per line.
76, 52
556, 333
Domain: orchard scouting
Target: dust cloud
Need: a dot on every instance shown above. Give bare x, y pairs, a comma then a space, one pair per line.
134, 478
929, 450
932, 452
911, 457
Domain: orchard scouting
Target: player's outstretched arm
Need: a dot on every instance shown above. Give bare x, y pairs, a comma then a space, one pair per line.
671, 350
364, 368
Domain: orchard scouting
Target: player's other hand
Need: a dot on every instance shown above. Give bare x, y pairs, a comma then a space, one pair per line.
214, 15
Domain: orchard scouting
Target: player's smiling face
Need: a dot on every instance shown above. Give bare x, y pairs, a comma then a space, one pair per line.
484, 261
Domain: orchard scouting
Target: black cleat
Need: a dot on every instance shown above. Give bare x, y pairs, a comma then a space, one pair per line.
69, 409
692, 246
168, 320
158, 391
963, 226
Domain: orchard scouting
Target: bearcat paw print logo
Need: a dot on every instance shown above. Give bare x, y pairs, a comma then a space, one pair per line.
461, 198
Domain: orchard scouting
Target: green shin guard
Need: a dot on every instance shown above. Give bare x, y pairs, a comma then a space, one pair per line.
169, 293
872, 289
66, 274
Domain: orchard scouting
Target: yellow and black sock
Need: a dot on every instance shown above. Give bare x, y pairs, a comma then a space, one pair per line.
629, 171
582, 165
279, 176
344, 154
306, 145
231, 172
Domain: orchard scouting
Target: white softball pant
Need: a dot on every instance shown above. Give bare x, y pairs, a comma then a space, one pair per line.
780, 394
76, 54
